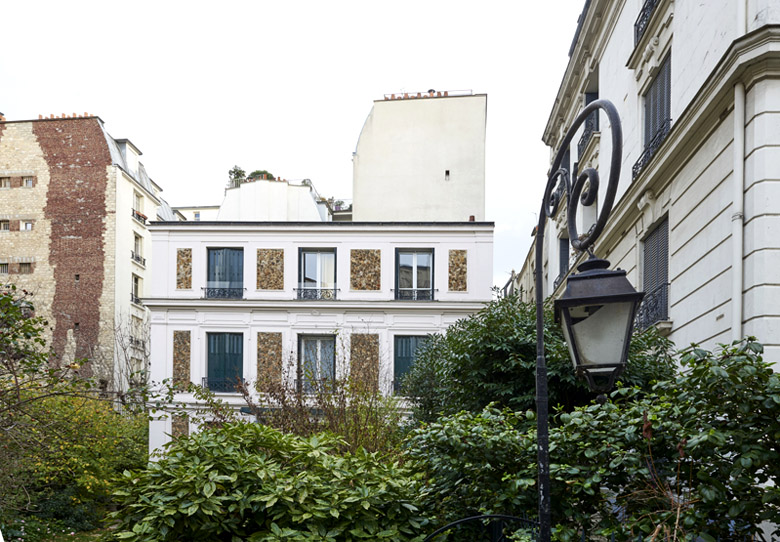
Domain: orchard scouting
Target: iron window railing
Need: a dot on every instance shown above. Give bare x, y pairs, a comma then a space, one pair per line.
139, 216
137, 343
223, 293
591, 126
312, 385
414, 294
316, 293
135, 299
138, 258
644, 19
651, 148
222, 385
654, 308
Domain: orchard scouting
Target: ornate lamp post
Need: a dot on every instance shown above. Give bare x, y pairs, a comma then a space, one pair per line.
598, 306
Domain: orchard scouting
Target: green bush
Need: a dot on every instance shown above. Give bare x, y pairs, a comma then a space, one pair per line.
490, 357
250, 482
698, 456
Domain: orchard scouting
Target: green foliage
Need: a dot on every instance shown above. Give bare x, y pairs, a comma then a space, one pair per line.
250, 482
258, 173
491, 357
236, 175
697, 456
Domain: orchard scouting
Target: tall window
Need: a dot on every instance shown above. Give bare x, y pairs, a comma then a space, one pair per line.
317, 274
225, 361
655, 306
27, 182
27, 225
414, 274
5, 225
316, 361
225, 278
5, 182
658, 104
135, 293
405, 352
563, 256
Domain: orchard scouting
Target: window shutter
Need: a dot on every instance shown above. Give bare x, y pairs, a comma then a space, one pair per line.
656, 265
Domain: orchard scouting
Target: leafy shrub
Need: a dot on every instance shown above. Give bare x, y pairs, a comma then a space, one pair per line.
490, 357
250, 482
699, 456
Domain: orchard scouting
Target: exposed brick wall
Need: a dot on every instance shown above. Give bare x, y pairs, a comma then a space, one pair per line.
270, 269
365, 269
181, 358
458, 271
364, 358
78, 159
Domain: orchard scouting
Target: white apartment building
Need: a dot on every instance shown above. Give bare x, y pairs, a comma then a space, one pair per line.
697, 86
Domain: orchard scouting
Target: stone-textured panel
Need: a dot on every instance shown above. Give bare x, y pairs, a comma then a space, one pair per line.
180, 425
270, 269
365, 269
269, 359
364, 358
458, 272
184, 269
181, 358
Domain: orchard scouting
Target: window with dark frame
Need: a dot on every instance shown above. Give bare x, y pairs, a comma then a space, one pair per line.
225, 362
657, 112
404, 354
414, 274
655, 306
225, 273
3, 268
25, 268
317, 273
316, 362
5, 225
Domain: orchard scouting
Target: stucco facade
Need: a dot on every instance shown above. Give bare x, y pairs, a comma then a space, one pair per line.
703, 181
271, 322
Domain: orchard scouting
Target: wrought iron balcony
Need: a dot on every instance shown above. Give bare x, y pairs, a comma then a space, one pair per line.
591, 126
138, 258
644, 19
316, 293
654, 308
223, 293
139, 216
223, 385
135, 299
651, 148
137, 343
411, 294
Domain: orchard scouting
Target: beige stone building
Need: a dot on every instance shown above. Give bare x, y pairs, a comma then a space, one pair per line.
74, 208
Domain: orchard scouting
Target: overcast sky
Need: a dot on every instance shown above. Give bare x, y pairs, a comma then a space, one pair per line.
286, 85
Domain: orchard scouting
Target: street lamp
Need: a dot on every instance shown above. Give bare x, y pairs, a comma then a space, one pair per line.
598, 306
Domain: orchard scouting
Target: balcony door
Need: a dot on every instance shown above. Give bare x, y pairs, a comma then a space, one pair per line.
225, 361
225, 273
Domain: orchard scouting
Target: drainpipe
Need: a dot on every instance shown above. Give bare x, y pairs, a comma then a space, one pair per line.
738, 214
741, 18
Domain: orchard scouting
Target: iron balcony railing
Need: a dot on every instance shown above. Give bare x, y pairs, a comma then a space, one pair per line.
644, 19
312, 385
138, 258
223, 293
651, 148
223, 385
137, 343
654, 308
135, 299
591, 126
316, 293
139, 216
414, 294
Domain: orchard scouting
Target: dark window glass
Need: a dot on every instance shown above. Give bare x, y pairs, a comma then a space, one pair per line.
226, 268
405, 353
225, 361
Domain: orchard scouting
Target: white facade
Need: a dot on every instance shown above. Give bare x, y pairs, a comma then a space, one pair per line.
422, 157
710, 180
271, 201
199, 212
362, 300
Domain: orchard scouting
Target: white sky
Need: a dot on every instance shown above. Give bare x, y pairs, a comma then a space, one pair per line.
286, 85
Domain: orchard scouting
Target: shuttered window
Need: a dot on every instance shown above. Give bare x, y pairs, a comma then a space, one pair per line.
658, 104
405, 352
225, 361
563, 256
656, 272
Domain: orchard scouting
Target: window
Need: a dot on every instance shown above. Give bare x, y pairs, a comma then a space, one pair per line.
135, 294
657, 110
563, 256
225, 273
27, 225
317, 273
25, 268
316, 361
405, 352
5, 225
655, 306
414, 274
197, 215
3, 268
138, 202
5, 182
225, 361
137, 252
27, 182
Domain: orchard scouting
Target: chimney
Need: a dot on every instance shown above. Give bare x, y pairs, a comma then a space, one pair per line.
471, 218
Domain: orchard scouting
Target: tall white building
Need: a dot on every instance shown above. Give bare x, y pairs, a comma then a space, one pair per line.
698, 89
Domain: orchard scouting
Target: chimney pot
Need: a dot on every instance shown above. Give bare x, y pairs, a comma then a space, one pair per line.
471, 218
40, 116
